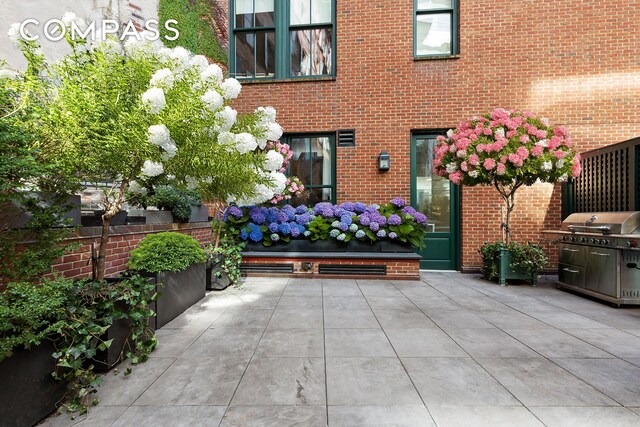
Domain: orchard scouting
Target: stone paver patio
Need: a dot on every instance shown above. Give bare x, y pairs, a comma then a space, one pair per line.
450, 350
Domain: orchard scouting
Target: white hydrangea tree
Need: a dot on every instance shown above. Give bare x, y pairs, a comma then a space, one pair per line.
122, 112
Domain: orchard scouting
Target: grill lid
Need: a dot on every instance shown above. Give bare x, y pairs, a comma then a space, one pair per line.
603, 222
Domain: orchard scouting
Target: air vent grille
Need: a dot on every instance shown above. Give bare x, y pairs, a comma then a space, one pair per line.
347, 138
355, 270
266, 268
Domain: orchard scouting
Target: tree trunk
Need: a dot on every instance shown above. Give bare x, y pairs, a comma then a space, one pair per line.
111, 209
508, 194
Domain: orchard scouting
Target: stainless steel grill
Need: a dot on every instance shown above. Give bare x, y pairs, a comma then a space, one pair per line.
600, 255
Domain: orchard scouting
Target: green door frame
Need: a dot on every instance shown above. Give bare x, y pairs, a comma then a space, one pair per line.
456, 196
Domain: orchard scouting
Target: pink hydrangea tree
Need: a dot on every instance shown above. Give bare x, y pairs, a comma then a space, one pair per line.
506, 149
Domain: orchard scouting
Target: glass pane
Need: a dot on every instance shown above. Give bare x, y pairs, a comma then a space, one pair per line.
244, 13
264, 13
311, 52
300, 164
433, 34
245, 54
432, 191
321, 11
434, 4
316, 195
299, 11
321, 161
265, 54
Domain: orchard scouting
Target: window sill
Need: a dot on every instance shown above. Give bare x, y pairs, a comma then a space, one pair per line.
287, 80
435, 57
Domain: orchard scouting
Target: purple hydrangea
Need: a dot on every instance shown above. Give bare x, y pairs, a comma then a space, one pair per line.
394, 219
398, 202
372, 208
302, 209
360, 234
258, 215
381, 233
408, 210
341, 237
365, 219
348, 206
327, 212
359, 207
289, 211
334, 233
420, 218
284, 228
283, 216
322, 207
393, 235
380, 219
303, 219
345, 218
275, 237
343, 226
374, 226
295, 231
273, 227
235, 211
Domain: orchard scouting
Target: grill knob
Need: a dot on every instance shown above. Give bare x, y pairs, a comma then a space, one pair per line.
605, 242
593, 240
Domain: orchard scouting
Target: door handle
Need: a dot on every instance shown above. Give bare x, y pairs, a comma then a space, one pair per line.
568, 270
598, 254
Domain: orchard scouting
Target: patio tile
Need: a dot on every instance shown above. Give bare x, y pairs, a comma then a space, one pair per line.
98, 416
281, 416
369, 381
267, 289
297, 281
423, 343
292, 343
196, 318
295, 319
555, 343
614, 377
539, 382
373, 282
357, 343
586, 417
406, 318
482, 416
512, 319
387, 290
256, 301
223, 342
490, 343
243, 319
173, 342
613, 341
202, 381
462, 319
565, 320
397, 416
456, 381
421, 293
350, 319
346, 303
338, 282
171, 416
282, 381
390, 303
346, 289
298, 290
437, 303
121, 390
300, 302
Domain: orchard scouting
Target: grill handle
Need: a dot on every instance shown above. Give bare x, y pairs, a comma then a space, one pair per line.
568, 270
569, 250
598, 254
601, 228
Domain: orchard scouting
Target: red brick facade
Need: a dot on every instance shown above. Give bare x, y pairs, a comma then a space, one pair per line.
573, 61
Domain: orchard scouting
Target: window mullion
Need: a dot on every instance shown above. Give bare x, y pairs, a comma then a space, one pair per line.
282, 36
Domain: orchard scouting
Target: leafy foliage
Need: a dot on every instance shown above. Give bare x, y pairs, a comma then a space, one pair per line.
528, 257
168, 197
168, 251
228, 256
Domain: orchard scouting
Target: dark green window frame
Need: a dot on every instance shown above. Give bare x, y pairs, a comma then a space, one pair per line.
283, 45
332, 141
453, 13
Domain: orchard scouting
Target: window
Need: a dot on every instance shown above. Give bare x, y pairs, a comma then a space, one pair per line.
435, 28
313, 162
282, 38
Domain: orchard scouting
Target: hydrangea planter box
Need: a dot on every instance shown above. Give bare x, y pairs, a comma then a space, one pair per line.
16, 218
94, 219
29, 392
217, 278
153, 216
331, 246
508, 273
179, 291
199, 214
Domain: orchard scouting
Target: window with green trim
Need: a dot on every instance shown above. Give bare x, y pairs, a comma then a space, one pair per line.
435, 28
282, 38
313, 162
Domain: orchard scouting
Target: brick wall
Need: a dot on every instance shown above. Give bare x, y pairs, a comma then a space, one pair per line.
575, 62
122, 240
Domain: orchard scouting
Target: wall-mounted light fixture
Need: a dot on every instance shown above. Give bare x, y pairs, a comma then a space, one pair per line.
384, 161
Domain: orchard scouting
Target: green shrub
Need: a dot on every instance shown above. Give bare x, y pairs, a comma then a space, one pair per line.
229, 255
527, 257
166, 252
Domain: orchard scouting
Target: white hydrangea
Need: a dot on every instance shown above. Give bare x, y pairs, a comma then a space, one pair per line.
274, 132
451, 167
154, 100
159, 135
245, 142
543, 143
200, 62
109, 47
231, 88
262, 143
563, 177
213, 73
9, 74
227, 139
181, 55
226, 118
500, 132
268, 113
273, 160
163, 78
151, 169
142, 45
474, 173
559, 163
212, 99
279, 182
449, 133
546, 166
136, 188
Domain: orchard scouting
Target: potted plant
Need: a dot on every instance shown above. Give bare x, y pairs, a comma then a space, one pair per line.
515, 261
178, 264
507, 150
223, 263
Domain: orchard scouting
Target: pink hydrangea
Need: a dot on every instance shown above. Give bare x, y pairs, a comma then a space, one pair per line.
523, 153
577, 168
560, 154
501, 169
524, 138
489, 164
537, 151
456, 177
464, 166
474, 159
515, 160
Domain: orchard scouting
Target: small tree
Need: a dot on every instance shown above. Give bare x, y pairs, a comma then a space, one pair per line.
507, 150
114, 113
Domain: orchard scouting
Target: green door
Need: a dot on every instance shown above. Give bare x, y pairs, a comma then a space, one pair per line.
438, 198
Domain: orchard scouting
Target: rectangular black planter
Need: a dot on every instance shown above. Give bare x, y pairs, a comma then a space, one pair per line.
95, 219
28, 392
179, 291
304, 245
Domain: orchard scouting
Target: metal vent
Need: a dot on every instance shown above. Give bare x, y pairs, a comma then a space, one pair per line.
350, 269
266, 268
347, 138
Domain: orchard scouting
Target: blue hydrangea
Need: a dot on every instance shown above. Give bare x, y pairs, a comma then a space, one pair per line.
303, 219
327, 212
235, 211
341, 237
374, 226
353, 228
398, 202
348, 206
273, 227
275, 237
408, 210
393, 235
283, 216
394, 219
346, 218
365, 219
272, 215
360, 234
343, 226
284, 228
420, 218
256, 235
302, 209
381, 233
322, 207
334, 233
244, 234
258, 215
359, 207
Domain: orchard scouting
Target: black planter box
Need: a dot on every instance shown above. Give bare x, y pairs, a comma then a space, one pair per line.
331, 246
179, 291
17, 218
28, 392
95, 219
215, 283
